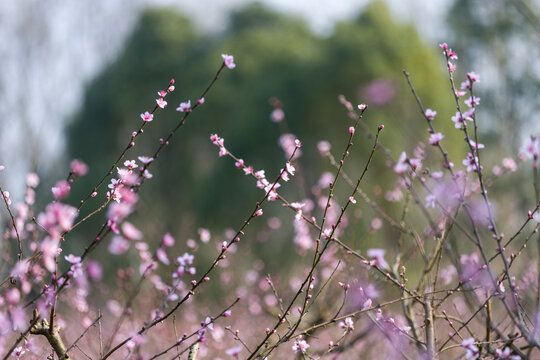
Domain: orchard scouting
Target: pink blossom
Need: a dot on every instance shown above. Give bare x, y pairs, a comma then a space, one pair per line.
5, 195
468, 115
378, 256
471, 162
325, 180
430, 200
288, 144
473, 77
300, 345
200, 101
451, 66
95, 270
458, 121
509, 164
184, 106
130, 164
472, 101
435, 138
18, 351
437, 175
290, 168
259, 212
362, 106
471, 349
72, 259
57, 218
119, 211
347, 324
145, 159
130, 231
248, 170
162, 256
277, 115
118, 245
49, 250
529, 149
475, 145
161, 103
13, 296
228, 60
351, 130
146, 116
239, 164
162, 93
465, 84
324, 147
18, 318
168, 240
61, 190
367, 304
32, 180
401, 166
204, 234
147, 174
186, 259
430, 114
78, 167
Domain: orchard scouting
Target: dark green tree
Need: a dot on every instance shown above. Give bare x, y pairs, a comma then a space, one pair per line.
276, 56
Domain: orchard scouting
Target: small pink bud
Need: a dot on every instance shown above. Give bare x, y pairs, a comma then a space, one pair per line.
351, 130
206, 278
381, 127
94, 194
193, 282
362, 106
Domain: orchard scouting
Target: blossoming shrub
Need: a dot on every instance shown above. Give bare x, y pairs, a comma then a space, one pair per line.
445, 283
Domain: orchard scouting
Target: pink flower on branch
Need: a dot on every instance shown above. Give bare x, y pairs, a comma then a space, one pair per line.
435, 138
146, 116
228, 60
184, 106
78, 167
161, 103
378, 257
430, 114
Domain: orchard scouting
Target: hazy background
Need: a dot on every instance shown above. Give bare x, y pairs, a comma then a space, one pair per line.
76, 75
49, 51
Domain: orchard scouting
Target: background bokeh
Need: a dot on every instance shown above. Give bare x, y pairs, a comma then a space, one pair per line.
76, 76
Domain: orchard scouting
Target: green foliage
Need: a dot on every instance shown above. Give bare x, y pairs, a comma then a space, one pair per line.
276, 55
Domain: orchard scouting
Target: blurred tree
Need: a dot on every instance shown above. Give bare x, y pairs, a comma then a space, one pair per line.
501, 38
276, 55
